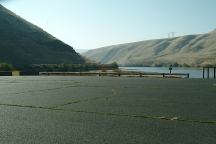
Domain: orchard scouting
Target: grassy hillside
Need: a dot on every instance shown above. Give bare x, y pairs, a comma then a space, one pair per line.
193, 50
22, 43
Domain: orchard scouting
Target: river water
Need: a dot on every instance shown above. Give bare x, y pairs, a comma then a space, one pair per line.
194, 72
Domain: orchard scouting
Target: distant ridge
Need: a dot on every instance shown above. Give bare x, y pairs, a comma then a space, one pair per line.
22, 43
81, 50
192, 50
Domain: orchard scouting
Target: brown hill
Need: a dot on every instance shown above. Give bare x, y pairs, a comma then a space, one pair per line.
193, 50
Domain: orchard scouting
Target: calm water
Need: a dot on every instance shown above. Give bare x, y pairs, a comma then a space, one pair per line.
194, 72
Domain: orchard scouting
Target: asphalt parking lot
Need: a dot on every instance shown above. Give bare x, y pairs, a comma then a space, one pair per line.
107, 110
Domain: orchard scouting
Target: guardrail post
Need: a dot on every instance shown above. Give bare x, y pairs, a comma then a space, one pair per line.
203, 72
214, 72
119, 74
188, 75
208, 72
163, 75
140, 74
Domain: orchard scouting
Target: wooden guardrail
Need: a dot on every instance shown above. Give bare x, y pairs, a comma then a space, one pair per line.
140, 74
18, 73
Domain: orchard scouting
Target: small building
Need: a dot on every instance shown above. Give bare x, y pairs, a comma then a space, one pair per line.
15, 73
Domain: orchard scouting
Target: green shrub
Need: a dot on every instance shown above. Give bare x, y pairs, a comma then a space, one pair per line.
6, 67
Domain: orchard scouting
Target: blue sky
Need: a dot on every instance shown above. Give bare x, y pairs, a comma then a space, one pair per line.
88, 24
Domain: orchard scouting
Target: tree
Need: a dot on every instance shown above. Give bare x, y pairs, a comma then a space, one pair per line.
6, 67
176, 64
114, 65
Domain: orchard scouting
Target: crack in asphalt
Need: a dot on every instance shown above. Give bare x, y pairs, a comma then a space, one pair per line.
114, 93
79, 101
50, 89
116, 114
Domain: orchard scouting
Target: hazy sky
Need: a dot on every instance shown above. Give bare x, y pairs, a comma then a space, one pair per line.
87, 24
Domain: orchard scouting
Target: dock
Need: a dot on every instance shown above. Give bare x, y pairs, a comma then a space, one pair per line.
206, 72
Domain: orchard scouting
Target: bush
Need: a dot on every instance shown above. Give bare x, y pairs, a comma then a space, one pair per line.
185, 65
114, 65
6, 67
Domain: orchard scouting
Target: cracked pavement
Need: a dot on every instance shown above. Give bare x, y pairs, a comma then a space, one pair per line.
107, 110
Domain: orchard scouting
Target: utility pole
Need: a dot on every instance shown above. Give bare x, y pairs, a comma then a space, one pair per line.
173, 34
